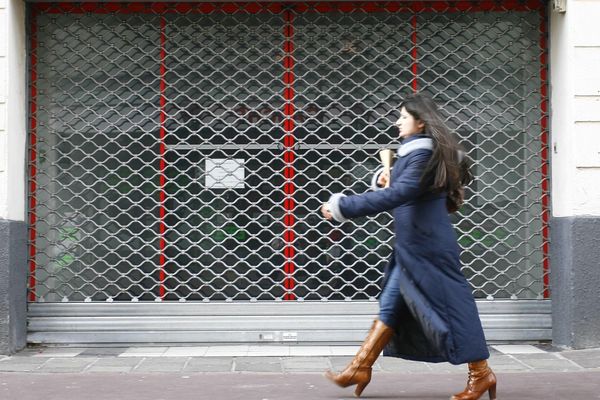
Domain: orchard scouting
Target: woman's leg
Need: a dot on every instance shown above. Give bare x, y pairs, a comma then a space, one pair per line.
358, 372
390, 301
391, 305
481, 379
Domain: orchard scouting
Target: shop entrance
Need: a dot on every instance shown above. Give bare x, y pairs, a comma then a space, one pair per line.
179, 154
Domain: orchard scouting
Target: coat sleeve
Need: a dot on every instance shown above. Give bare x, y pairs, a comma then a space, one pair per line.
405, 187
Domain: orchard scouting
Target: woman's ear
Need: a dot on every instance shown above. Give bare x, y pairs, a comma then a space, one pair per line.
421, 125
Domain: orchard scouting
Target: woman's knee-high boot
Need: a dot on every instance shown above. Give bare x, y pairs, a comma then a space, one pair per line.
481, 380
358, 372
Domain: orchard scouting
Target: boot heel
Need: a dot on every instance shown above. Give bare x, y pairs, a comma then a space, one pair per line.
359, 388
492, 392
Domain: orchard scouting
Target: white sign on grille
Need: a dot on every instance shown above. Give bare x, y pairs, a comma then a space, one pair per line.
224, 173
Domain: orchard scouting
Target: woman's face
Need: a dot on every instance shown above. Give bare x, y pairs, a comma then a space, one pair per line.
408, 125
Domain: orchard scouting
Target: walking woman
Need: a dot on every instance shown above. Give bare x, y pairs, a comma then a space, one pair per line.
427, 311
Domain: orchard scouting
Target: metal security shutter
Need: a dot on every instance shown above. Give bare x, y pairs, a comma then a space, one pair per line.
179, 153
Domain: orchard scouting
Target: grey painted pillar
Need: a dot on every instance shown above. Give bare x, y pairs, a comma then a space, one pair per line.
575, 193
575, 281
13, 133
13, 286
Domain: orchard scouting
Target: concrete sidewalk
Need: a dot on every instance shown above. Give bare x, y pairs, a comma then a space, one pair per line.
281, 372
275, 359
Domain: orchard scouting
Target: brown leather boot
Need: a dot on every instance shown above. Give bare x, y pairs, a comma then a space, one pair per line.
481, 379
358, 372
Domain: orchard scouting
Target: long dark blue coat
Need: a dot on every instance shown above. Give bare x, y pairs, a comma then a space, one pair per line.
441, 321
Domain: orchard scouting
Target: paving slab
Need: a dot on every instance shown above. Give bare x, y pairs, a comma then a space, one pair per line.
448, 368
258, 364
59, 352
311, 351
549, 365
390, 364
587, 362
518, 349
123, 365
65, 365
306, 364
266, 351
161, 364
144, 352
186, 351
209, 364
20, 364
229, 351
102, 352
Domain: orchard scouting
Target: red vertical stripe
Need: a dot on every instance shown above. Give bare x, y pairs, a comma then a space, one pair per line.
414, 53
163, 101
288, 157
32, 156
544, 151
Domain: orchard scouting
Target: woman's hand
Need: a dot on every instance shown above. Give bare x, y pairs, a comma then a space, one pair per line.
326, 211
383, 179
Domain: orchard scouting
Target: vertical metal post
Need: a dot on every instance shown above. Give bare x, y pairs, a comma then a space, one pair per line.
289, 156
544, 151
414, 52
162, 165
32, 155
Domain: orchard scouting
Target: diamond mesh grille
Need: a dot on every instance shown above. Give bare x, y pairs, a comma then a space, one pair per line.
180, 152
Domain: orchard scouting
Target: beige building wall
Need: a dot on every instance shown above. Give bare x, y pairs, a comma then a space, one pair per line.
13, 108
575, 109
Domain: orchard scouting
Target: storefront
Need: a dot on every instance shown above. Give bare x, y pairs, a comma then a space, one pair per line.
179, 153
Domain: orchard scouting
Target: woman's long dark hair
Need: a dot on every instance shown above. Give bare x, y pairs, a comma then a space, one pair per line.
448, 169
